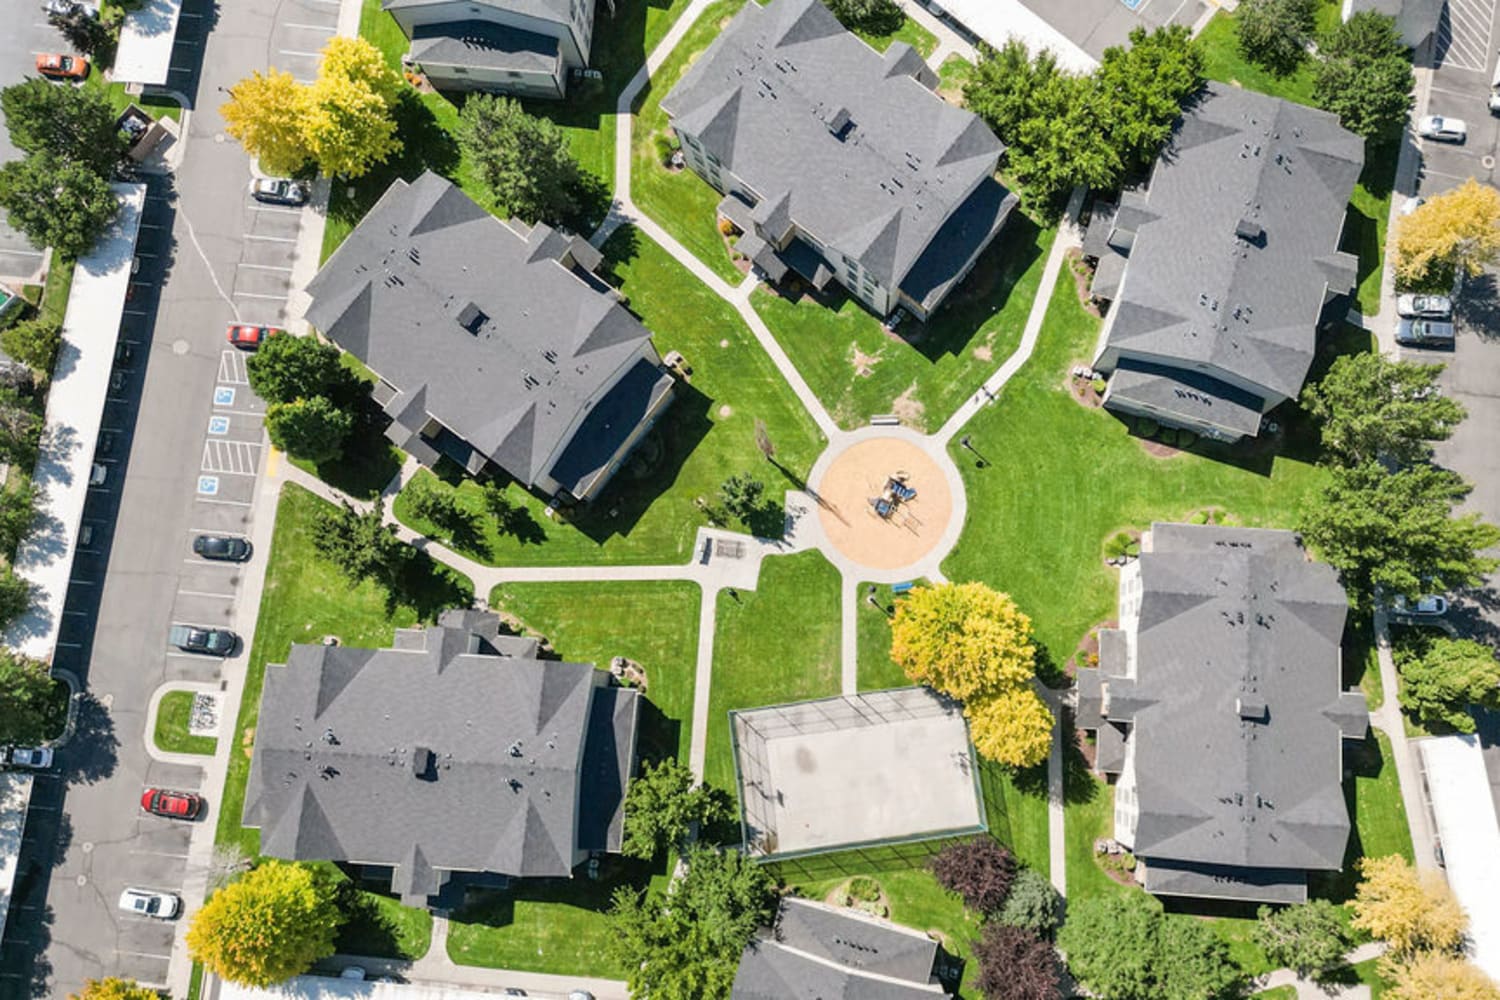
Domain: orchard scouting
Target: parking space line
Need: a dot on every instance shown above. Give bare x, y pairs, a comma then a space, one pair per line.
207, 593
275, 211
227, 503
68, 645
258, 295
298, 52
270, 239
330, 28
266, 267
144, 954
79, 581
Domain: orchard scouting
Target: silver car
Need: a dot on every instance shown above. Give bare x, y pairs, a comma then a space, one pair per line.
1443, 129
1424, 306
150, 903
278, 191
31, 758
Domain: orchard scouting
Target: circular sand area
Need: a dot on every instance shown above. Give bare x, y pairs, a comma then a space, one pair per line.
849, 519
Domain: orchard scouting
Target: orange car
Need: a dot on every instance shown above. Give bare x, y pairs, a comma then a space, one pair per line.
60, 67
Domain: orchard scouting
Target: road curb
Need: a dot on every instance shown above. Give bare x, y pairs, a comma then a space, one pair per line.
153, 708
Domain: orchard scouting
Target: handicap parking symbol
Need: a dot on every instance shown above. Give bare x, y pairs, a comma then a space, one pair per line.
208, 485
224, 396
218, 425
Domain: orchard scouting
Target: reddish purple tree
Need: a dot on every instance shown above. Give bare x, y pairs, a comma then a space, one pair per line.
979, 870
1015, 964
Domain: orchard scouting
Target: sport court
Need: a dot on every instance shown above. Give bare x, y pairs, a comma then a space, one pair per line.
882, 767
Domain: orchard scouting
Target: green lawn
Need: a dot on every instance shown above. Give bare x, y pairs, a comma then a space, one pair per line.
172, 726
306, 598
681, 202
378, 925
755, 664
1277, 993
1222, 59
876, 668
654, 623
952, 75
647, 513
924, 373
1065, 477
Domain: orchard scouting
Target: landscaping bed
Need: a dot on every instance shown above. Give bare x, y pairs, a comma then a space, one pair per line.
648, 513
172, 734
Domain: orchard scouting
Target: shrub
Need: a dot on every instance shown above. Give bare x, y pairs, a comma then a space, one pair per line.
1146, 427
1100, 385
1168, 436
863, 889
979, 870
1198, 517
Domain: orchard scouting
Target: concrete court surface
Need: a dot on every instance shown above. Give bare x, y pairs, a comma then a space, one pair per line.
894, 780
851, 524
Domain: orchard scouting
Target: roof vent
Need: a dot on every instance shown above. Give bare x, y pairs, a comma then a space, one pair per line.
1250, 709
1250, 231
421, 761
472, 318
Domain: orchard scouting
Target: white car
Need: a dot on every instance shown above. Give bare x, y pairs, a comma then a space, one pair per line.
1411, 204
1424, 306
1430, 606
1443, 129
32, 758
150, 903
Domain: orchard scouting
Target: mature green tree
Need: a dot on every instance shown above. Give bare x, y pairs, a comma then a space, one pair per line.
1274, 33
1443, 677
1003, 87
1309, 938
314, 428
362, 545
1125, 948
86, 33
1032, 904
875, 17
1063, 144
33, 342
1364, 75
70, 123
1142, 88
20, 430
57, 203
269, 926
684, 942
1397, 530
287, 368
26, 696
1372, 407
1015, 964
742, 495
662, 805
526, 161
16, 512
15, 596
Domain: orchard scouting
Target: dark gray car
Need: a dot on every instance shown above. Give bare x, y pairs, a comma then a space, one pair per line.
1424, 333
225, 548
198, 639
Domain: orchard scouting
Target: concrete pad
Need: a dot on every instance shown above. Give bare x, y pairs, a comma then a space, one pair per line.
849, 521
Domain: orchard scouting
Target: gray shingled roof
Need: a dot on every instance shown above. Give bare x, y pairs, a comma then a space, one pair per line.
483, 43
1193, 394
440, 754
550, 10
1238, 671
817, 952
867, 158
473, 322
1197, 293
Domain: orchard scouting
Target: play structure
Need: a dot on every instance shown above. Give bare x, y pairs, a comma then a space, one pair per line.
895, 494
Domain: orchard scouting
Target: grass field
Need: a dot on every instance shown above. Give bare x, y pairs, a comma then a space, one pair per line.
1220, 44
648, 512
924, 373
172, 735
1070, 476
777, 643
654, 623
306, 598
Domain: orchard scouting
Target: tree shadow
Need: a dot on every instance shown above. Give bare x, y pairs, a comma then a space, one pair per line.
92, 752
367, 930
428, 587
1478, 308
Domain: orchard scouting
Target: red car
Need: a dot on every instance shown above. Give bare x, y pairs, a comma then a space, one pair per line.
248, 336
173, 805
62, 67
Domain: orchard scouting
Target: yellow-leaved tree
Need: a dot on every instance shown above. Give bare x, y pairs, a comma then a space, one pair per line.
269, 926
1458, 230
265, 113
343, 122
1435, 975
112, 988
974, 644
1013, 727
963, 639
1409, 910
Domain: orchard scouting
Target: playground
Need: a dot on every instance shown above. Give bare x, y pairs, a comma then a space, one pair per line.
884, 503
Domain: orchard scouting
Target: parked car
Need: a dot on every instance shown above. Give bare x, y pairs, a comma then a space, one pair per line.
352, 972
150, 903
173, 805
278, 191
1424, 306
1443, 129
580, 995
59, 66
1411, 204
1430, 606
98, 474
124, 353
63, 8
31, 758
1424, 332
198, 639
249, 336
224, 548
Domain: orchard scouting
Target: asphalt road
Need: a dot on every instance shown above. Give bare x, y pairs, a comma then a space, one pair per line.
1465, 65
185, 435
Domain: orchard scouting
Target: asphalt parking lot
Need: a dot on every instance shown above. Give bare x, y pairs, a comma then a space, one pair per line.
1464, 65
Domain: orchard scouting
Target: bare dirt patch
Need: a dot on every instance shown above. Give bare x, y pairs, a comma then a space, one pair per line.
864, 363
911, 410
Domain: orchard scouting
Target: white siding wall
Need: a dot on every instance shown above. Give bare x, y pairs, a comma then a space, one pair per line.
471, 78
